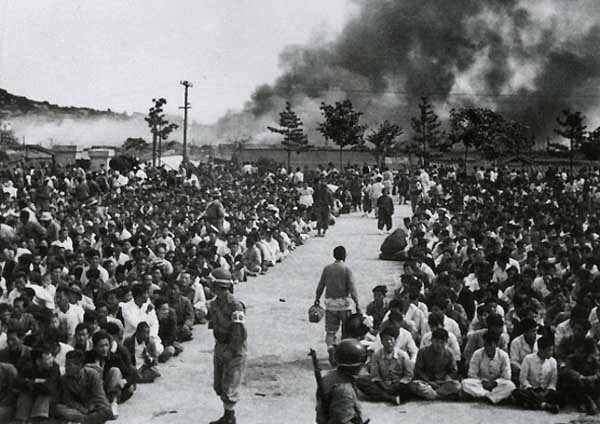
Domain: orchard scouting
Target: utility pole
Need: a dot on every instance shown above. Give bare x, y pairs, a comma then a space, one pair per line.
185, 108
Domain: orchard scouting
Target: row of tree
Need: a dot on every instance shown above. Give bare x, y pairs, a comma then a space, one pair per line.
477, 129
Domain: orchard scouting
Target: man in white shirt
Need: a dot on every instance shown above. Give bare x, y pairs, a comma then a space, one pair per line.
523, 345
69, 315
489, 375
141, 309
64, 240
538, 379
93, 257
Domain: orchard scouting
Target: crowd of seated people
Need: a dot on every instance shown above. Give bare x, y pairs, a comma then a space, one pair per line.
499, 293
105, 274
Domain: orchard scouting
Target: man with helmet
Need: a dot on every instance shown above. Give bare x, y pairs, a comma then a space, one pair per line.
227, 322
337, 401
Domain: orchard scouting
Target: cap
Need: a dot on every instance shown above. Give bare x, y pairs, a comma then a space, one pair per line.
46, 216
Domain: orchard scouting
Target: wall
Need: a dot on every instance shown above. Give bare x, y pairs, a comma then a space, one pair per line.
312, 158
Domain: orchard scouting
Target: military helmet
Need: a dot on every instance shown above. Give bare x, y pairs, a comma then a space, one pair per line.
350, 353
221, 277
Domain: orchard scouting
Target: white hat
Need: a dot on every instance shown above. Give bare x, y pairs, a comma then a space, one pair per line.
46, 216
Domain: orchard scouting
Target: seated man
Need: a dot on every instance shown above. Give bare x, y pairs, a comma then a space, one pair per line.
404, 339
523, 345
435, 321
391, 371
580, 374
435, 370
167, 330
117, 375
82, 340
16, 353
81, 396
37, 385
489, 375
495, 324
184, 311
8, 400
538, 377
143, 354
379, 306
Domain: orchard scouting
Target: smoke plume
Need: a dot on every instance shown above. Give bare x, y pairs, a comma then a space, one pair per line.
525, 58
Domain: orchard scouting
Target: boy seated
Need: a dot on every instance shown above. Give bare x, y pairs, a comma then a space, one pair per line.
538, 377
489, 375
391, 371
435, 370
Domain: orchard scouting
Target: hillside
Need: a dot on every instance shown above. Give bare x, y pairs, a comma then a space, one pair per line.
12, 106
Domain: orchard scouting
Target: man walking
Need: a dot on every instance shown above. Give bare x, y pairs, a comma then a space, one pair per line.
227, 323
322, 202
338, 283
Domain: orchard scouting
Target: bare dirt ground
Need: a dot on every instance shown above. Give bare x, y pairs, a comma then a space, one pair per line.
279, 385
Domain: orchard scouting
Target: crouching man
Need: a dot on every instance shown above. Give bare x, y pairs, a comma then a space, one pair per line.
489, 375
435, 370
81, 397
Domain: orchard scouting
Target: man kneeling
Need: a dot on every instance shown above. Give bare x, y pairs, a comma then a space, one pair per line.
489, 375
391, 371
81, 398
435, 370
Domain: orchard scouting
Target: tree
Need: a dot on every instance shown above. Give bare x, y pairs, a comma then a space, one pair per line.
514, 138
159, 126
341, 125
135, 144
385, 141
571, 126
426, 128
591, 146
469, 127
294, 138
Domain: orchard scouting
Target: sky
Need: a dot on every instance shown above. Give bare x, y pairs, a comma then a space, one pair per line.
119, 54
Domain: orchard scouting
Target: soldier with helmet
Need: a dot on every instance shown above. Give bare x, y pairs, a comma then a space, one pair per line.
227, 323
337, 400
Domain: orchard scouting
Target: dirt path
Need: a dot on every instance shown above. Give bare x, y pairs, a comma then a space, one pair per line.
279, 385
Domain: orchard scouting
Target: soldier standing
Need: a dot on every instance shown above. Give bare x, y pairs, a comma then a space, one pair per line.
337, 401
227, 322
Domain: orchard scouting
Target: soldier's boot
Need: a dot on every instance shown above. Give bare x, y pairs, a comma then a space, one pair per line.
227, 418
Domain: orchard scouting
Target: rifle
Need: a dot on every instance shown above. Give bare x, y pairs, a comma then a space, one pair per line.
318, 377
319, 380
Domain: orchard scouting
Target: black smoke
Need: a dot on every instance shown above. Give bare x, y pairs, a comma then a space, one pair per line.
459, 52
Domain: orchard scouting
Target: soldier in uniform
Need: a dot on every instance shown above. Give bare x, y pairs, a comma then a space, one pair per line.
227, 322
337, 401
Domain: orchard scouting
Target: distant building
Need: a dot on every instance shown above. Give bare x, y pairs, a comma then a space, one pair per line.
64, 155
100, 157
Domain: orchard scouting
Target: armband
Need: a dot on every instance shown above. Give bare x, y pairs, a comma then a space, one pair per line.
237, 317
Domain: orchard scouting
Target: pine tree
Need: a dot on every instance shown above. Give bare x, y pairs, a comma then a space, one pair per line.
385, 141
571, 127
294, 138
426, 127
341, 125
